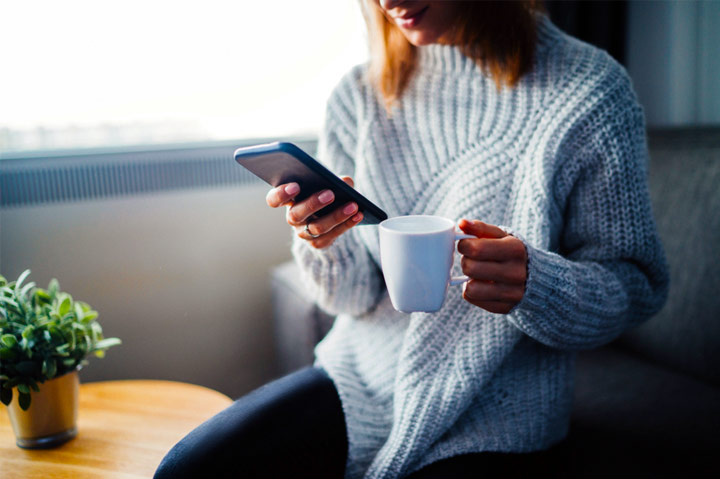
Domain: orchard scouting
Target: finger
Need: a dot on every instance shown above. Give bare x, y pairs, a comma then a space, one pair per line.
480, 229
507, 248
348, 180
329, 238
482, 291
282, 195
298, 214
328, 222
510, 272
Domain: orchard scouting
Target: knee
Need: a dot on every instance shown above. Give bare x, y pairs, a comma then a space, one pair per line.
182, 462
172, 465
207, 451
193, 463
166, 469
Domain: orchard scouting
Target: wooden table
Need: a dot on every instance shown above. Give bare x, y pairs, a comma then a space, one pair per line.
124, 430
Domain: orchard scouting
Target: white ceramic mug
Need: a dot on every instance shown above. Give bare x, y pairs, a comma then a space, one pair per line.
416, 253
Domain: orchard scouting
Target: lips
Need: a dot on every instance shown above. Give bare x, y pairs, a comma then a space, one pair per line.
410, 20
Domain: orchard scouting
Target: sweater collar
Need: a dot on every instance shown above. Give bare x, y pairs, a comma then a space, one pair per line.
446, 58
548, 33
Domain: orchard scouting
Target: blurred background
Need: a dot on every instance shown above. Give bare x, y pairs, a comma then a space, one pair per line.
117, 125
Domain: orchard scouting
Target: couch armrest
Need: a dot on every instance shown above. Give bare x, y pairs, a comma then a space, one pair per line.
299, 323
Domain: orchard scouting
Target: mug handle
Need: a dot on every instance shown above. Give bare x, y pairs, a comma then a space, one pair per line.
455, 280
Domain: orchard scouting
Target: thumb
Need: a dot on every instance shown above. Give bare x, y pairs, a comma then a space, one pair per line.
480, 229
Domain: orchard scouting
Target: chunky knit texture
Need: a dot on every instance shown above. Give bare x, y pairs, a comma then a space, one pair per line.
560, 161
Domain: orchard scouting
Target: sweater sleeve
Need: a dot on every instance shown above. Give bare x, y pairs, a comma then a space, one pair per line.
609, 273
342, 278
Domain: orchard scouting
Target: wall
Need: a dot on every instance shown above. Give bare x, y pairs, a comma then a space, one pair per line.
181, 277
673, 57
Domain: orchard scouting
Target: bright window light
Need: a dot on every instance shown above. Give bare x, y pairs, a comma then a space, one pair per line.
89, 73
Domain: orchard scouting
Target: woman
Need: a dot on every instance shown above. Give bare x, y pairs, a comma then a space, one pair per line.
475, 110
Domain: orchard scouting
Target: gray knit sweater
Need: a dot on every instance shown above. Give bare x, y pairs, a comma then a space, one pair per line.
559, 161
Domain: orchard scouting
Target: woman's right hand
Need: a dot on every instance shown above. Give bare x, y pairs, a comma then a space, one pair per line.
319, 232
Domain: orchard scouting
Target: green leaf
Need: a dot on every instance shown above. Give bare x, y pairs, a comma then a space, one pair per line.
85, 307
55, 332
107, 343
62, 350
9, 301
42, 296
53, 287
65, 305
27, 332
23, 389
49, 368
79, 313
8, 340
24, 401
25, 289
6, 395
22, 277
96, 331
25, 346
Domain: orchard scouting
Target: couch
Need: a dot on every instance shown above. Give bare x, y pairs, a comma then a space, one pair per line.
648, 404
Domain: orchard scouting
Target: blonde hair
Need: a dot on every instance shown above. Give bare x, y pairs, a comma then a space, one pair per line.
499, 35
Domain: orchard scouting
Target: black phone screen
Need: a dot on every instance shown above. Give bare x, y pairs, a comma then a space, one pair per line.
281, 162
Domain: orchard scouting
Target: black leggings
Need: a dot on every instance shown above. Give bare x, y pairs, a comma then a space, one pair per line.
291, 427
294, 428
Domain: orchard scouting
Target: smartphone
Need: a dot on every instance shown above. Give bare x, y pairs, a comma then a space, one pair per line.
281, 162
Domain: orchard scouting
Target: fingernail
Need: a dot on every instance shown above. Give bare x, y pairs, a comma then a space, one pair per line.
326, 196
292, 189
357, 217
350, 209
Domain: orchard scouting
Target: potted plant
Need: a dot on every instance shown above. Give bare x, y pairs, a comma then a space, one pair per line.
45, 338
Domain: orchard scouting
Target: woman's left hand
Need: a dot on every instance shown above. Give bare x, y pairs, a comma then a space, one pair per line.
496, 263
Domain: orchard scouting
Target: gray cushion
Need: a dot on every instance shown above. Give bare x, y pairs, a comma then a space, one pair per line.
685, 190
642, 418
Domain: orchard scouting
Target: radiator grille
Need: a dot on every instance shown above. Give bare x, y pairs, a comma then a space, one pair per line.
52, 179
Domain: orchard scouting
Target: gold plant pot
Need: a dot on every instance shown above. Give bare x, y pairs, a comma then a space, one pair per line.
51, 418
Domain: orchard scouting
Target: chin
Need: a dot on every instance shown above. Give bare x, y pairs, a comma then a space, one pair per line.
421, 39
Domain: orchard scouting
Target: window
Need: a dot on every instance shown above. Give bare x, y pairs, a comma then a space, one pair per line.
83, 73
